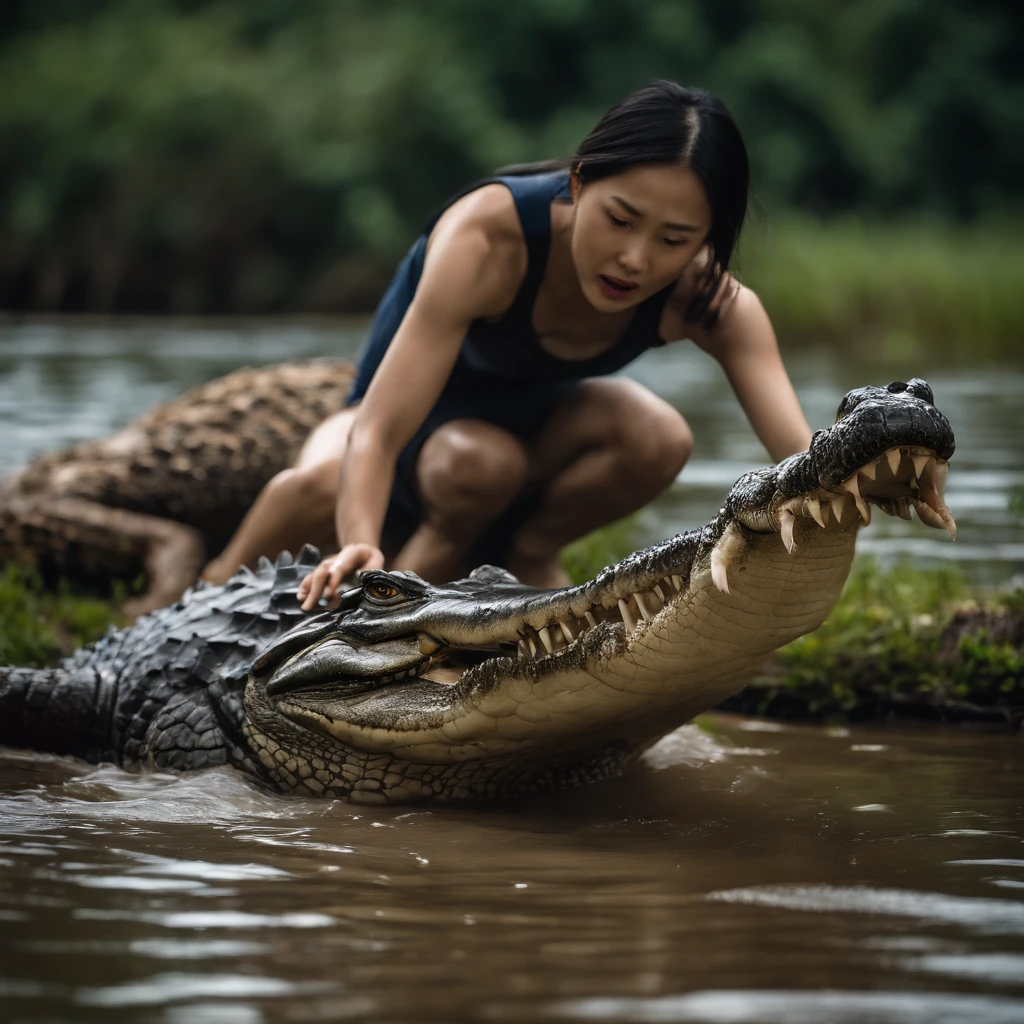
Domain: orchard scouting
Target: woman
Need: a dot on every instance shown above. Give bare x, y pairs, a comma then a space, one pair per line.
476, 430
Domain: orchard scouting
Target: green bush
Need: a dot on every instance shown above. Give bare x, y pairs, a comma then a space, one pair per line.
39, 627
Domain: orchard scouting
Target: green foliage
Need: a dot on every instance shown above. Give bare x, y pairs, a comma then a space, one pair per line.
902, 289
219, 155
39, 627
586, 557
887, 643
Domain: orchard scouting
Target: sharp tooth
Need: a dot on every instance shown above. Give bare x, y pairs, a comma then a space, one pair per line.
677, 582
661, 594
533, 646
838, 505
626, 617
903, 508
869, 470
928, 516
523, 650
399, 675
720, 568
932, 498
566, 632
590, 618
894, 457
643, 608
814, 507
940, 472
385, 679
545, 639
786, 523
853, 487
919, 461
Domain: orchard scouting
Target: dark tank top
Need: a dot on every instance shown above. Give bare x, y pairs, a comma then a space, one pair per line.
508, 348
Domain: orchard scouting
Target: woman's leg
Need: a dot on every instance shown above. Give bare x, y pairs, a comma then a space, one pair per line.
467, 473
296, 507
608, 449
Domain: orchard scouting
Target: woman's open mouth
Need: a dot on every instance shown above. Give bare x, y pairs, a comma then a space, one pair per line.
615, 287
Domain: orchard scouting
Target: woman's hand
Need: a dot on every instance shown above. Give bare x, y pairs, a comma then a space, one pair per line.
324, 580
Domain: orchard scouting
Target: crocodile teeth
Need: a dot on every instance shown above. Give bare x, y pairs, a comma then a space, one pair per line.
626, 617
903, 508
894, 457
814, 507
566, 632
523, 649
838, 505
677, 583
590, 618
545, 639
853, 487
786, 523
643, 608
720, 568
661, 594
869, 470
919, 461
933, 498
533, 646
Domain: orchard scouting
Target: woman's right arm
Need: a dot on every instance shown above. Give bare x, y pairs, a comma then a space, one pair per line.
474, 265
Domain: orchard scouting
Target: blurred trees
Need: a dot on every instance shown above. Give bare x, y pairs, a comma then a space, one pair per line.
206, 155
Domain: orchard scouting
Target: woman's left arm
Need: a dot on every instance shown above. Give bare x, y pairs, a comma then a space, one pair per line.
744, 343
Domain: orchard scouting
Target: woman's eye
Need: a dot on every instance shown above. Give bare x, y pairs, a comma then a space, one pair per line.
618, 221
381, 591
674, 241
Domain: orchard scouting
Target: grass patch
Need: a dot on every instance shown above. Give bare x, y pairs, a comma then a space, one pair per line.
906, 640
902, 289
39, 627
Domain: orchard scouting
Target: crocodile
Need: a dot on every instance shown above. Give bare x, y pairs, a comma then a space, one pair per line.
164, 494
485, 687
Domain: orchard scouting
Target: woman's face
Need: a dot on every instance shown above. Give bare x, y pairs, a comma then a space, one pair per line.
636, 232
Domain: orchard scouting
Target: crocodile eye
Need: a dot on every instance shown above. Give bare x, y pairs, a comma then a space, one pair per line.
381, 591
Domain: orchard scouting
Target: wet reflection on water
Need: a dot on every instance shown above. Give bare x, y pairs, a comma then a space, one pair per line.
750, 872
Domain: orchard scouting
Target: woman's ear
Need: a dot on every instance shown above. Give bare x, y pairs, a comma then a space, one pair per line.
575, 182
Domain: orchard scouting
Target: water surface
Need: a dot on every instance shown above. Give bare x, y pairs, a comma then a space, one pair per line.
749, 872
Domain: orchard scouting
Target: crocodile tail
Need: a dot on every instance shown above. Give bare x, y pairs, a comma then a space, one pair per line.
59, 711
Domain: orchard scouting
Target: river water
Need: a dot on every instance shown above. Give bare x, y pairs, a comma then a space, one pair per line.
750, 872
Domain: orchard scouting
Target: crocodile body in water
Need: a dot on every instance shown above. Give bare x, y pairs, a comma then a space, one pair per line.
165, 493
485, 687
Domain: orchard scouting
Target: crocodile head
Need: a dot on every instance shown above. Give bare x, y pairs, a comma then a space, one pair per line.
485, 687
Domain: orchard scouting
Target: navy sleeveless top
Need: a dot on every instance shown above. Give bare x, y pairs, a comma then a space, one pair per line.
508, 349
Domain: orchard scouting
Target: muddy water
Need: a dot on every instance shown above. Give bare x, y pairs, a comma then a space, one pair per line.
748, 873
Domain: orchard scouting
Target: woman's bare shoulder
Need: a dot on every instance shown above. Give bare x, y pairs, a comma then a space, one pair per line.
481, 233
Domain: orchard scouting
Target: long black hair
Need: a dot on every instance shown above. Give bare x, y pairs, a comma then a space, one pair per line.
666, 123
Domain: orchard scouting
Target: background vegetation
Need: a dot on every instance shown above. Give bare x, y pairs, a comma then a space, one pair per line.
220, 155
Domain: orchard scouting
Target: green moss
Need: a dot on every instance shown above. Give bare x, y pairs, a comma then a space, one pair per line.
39, 627
907, 639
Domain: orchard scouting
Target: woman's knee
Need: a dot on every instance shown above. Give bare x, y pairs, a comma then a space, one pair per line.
310, 491
469, 466
652, 441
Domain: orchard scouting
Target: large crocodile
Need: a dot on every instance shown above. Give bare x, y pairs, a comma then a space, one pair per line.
485, 687
166, 492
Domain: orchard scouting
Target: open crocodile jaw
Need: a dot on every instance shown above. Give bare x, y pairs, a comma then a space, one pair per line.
602, 670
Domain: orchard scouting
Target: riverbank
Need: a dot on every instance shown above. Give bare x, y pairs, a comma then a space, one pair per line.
901, 643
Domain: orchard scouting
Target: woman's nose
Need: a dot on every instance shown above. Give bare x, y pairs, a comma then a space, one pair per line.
632, 257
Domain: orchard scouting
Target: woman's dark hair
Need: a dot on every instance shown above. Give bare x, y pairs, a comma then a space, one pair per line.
665, 123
